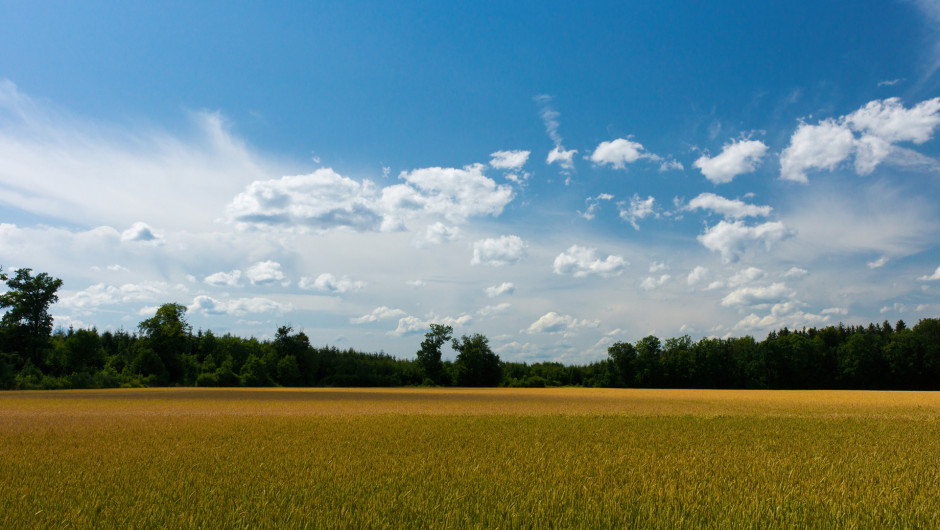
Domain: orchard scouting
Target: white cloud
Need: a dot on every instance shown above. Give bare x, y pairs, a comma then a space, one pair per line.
581, 261
652, 282
103, 295
878, 263
617, 153
411, 324
637, 209
558, 154
756, 296
379, 313
697, 275
880, 124
888, 120
736, 158
329, 283
564, 158
732, 208
822, 146
932, 277
439, 233
141, 233
320, 200
52, 159
835, 311
795, 272
593, 204
455, 194
501, 289
325, 200
732, 238
498, 252
552, 322
671, 164
782, 314
509, 159
416, 283
746, 276
264, 272
237, 306
224, 278
493, 309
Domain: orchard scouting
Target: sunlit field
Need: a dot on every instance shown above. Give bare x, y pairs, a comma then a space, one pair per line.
457, 458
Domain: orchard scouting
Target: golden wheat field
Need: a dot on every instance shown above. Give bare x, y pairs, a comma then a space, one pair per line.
458, 458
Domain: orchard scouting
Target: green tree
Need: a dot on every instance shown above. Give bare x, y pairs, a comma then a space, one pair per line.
26, 325
170, 337
622, 357
476, 364
429, 356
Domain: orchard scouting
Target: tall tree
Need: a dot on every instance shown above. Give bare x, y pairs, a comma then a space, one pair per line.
429, 356
27, 325
170, 337
476, 364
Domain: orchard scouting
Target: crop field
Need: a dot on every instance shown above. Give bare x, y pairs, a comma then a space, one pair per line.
458, 458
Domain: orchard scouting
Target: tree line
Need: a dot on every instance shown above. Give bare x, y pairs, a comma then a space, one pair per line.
165, 351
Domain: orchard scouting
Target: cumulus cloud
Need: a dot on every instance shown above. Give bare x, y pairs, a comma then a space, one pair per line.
652, 282
504, 250
379, 313
731, 239
879, 124
931, 277
509, 159
141, 233
620, 152
224, 278
746, 276
795, 272
878, 263
552, 322
581, 261
758, 295
455, 194
697, 275
329, 283
670, 164
781, 314
439, 233
564, 158
237, 306
822, 146
501, 289
736, 158
264, 272
593, 204
637, 209
732, 208
100, 294
411, 325
325, 200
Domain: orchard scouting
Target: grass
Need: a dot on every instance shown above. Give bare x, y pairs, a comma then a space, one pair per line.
457, 458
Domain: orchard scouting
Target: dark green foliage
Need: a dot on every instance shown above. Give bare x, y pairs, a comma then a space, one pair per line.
476, 364
26, 325
429, 356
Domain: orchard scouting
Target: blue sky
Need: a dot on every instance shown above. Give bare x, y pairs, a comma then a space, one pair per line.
557, 177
